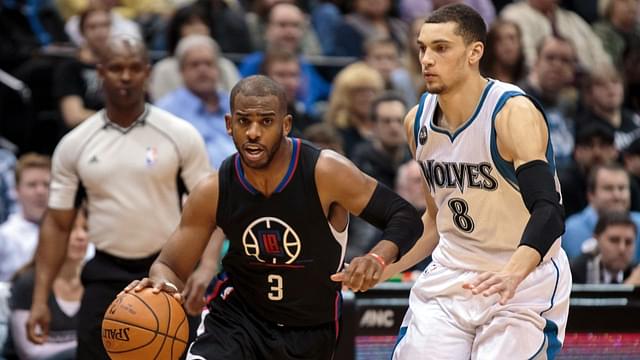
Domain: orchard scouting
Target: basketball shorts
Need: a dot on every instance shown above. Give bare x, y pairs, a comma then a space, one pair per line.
445, 321
231, 331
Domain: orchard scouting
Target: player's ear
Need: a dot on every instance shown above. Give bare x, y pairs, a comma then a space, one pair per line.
475, 52
287, 123
227, 122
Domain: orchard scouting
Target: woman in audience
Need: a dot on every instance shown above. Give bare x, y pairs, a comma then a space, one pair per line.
64, 302
349, 103
503, 57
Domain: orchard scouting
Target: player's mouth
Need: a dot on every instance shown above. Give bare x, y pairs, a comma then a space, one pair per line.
429, 76
253, 152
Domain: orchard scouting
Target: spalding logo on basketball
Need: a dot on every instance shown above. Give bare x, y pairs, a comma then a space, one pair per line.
144, 325
271, 240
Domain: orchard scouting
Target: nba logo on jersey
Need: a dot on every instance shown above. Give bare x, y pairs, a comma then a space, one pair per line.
422, 136
151, 156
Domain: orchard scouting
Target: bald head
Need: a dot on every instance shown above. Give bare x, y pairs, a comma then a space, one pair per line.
259, 86
123, 45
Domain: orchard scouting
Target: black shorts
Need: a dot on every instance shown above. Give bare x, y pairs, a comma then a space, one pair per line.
232, 331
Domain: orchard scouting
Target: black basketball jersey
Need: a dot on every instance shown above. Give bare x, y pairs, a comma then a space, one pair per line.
282, 249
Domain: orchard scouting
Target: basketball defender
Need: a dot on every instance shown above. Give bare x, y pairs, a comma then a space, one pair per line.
499, 283
284, 206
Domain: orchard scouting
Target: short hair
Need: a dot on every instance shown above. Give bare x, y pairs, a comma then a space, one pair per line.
195, 41
277, 55
387, 96
540, 45
323, 133
601, 72
611, 218
586, 133
471, 26
592, 179
132, 43
31, 161
261, 86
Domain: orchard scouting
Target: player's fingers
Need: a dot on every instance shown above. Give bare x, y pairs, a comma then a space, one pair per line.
338, 277
484, 285
356, 279
369, 278
144, 283
477, 280
166, 287
505, 296
131, 285
495, 288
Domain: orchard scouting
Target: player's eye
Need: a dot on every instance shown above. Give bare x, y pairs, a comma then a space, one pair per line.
267, 121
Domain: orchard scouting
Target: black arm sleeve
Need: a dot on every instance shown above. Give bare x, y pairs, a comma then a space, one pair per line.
546, 224
398, 219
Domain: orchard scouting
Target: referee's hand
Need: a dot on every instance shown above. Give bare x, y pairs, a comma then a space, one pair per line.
361, 274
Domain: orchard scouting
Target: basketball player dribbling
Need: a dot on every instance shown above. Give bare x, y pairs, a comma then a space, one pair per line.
499, 283
284, 206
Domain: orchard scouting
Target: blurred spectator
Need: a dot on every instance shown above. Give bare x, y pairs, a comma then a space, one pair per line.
25, 28
409, 183
607, 190
325, 18
603, 98
381, 157
284, 67
7, 179
594, 146
411, 57
631, 160
369, 18
412, 9
64, 302
19, 234
550, 83
76, 83
226, 22
503, 57
324, 136
383, 55
632, 80
610, 262
120, 25
354, 88
619, 30
199, 101
289, 38
538, 19
165, 74
289, 21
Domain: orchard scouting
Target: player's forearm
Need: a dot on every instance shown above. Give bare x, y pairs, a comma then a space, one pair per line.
523, 261
162, 272
211, 255
50, 255
423, 248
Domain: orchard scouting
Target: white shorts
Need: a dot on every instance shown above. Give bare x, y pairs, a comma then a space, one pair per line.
445, 321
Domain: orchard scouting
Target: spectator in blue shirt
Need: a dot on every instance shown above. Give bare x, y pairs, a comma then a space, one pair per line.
200, 101
607, 190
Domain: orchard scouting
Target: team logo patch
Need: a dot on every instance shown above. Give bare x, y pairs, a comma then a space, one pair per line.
151, 156
422, 135
271, 240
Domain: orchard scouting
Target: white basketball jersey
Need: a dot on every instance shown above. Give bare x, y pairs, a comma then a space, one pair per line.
481, 214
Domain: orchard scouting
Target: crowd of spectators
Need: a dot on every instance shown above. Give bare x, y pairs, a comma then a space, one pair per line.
350, 69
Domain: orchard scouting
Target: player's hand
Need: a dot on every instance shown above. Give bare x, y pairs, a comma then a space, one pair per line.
38, 323
193, 292
488, 283
155, 285
361, 274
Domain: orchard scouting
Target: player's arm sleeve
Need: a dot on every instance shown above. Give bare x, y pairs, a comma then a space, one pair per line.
195, 161
398, 219
537, 187
65, 183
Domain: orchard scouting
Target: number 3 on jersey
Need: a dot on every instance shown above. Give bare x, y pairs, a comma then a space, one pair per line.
461, 218
275, 291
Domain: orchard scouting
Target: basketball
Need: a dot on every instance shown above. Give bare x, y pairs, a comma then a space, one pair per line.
144, 325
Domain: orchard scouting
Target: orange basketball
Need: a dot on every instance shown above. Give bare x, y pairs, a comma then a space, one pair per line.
144, 325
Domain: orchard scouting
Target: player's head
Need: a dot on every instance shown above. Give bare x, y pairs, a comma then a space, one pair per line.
451, 43
258, 121
616, 234
124, 68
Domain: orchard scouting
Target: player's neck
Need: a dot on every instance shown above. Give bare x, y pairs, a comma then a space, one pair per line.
267, 179
458, 105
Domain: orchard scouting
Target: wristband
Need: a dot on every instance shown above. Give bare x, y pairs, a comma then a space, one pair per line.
379, 259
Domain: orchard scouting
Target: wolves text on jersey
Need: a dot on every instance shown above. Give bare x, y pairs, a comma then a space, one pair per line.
458, 174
